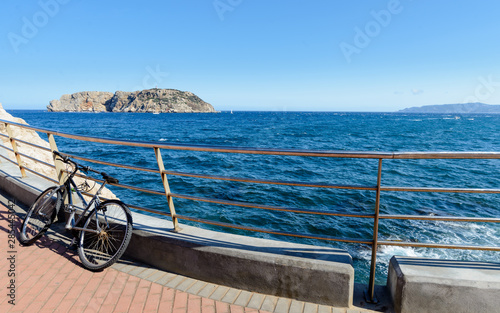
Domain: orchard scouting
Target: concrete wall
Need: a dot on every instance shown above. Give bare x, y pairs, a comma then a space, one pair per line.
432, 285
307, 273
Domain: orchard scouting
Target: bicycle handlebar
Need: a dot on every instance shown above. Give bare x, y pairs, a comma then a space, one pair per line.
86, 169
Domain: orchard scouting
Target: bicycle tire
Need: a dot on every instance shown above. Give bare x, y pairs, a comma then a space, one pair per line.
98, 251
40, 215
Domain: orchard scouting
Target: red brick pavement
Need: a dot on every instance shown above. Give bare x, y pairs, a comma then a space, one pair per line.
49, 278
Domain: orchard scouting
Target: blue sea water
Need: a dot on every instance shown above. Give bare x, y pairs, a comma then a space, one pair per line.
319, 131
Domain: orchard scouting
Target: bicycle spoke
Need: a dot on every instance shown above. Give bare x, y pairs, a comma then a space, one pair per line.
115, 229
40, 215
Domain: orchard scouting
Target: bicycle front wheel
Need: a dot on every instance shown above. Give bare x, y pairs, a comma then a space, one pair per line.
109, 229
40, 215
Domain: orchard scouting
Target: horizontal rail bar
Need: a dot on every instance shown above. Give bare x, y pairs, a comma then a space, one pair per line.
149, 210
286, 152
267, 207
140, 208
432, 189
6, 158
270, 182
436, 245
138, 168
41, 175
32, 144
268, 231
441, 218
3, 135
155, 192
7, 148
232, 203
36, 160
446, 155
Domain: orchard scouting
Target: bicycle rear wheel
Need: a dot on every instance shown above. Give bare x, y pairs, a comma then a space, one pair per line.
40, 215
100, 250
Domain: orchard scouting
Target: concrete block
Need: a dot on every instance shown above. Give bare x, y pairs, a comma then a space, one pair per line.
256, 301
243, 298
431, 285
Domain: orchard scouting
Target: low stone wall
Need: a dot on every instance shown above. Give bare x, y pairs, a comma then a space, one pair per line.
419, 285
302, 272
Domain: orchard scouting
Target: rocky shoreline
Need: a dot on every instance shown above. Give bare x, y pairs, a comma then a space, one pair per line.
145, 101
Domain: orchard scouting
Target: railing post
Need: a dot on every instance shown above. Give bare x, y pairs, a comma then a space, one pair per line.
161, 166
373, 265
59, 165
14, 147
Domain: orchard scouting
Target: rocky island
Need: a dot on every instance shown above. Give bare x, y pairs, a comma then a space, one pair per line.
154, 100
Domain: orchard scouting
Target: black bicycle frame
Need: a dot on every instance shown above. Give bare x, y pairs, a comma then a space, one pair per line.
69, 186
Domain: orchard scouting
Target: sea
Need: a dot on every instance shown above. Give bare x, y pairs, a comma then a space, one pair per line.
372, 132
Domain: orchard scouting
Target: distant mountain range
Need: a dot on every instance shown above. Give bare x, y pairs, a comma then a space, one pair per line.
458, 108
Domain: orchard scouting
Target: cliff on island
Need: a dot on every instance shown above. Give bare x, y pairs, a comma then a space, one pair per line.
458, 108
145, 101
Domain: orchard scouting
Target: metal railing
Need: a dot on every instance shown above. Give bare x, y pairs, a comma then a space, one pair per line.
374, 242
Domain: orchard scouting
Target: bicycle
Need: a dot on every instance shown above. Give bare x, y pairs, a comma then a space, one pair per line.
102, 230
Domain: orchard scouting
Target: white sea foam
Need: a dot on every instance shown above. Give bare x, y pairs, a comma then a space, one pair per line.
389, 251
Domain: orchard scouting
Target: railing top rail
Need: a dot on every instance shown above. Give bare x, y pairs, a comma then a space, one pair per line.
285, 152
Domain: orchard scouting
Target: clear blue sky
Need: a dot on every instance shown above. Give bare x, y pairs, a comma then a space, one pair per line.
316, 55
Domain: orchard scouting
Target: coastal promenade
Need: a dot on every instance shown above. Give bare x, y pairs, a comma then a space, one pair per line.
49, 278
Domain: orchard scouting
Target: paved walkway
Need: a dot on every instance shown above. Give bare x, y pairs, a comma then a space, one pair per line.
49, 278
